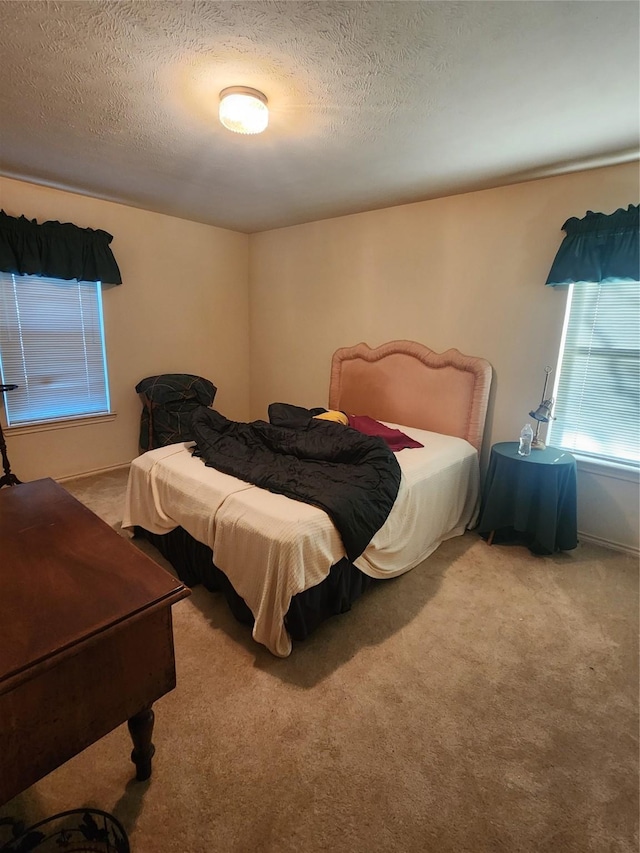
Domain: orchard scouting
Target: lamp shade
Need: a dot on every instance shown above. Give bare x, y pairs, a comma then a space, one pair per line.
543, 412
243, 110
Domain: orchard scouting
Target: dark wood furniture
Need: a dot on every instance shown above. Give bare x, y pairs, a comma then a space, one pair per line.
86, 640
530, 498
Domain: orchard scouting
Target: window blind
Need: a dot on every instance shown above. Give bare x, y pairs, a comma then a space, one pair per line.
52, 347
597, 389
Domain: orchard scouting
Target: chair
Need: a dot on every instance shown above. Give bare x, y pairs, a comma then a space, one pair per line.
168, 401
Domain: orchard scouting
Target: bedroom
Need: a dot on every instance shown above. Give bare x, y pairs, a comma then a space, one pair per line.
465, 270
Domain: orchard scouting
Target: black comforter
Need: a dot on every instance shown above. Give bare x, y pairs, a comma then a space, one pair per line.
353, 477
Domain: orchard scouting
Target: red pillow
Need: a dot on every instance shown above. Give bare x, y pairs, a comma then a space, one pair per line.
396, 439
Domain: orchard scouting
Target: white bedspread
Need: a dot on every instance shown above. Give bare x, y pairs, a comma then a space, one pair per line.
272, 547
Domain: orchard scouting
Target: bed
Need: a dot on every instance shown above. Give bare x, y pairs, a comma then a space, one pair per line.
281, 563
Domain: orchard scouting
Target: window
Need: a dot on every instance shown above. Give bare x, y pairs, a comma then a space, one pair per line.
52, 347
598, 380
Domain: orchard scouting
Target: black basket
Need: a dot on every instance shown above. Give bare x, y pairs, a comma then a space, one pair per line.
76, 831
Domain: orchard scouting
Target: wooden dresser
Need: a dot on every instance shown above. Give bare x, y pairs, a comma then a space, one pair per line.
86, 639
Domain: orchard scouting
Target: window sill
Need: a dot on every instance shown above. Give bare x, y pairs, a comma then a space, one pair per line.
615, 470
47, 426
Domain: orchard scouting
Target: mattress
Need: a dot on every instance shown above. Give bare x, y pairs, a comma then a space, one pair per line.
272, 547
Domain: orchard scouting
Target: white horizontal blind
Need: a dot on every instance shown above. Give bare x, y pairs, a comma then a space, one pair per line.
52, 347
598, 381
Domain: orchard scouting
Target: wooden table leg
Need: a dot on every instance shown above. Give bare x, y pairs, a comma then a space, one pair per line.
8, 478
490, 538
141, 729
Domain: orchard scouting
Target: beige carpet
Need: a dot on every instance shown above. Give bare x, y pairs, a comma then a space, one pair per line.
486, 701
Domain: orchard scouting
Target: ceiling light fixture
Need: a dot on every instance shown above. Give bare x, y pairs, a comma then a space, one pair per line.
243, 110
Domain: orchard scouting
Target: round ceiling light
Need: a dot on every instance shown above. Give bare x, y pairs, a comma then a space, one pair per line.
243, 110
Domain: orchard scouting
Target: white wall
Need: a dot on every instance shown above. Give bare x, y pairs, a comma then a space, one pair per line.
466, 271
182, 307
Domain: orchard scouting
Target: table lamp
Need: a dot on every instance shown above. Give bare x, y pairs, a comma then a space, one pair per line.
542, 415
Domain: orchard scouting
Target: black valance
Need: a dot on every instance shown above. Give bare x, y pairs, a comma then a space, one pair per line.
56, 250
599, 247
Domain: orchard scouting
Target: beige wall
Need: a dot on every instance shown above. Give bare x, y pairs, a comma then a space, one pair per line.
466, 271
182, 307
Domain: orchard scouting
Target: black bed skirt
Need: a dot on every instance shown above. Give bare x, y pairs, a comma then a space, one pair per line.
193, 562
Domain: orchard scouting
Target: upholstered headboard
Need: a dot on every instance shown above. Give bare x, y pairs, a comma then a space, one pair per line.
407, 383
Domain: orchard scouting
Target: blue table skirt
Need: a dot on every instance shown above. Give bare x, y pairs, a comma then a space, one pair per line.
533, 497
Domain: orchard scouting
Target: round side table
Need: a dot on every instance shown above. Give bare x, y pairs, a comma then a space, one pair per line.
532, 498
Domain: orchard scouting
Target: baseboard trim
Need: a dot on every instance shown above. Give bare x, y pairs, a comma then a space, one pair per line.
583, 537
608, 543
118, 467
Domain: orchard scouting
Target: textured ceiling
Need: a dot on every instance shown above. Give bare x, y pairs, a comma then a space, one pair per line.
372, 103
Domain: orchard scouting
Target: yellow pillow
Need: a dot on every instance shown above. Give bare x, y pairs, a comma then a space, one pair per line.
338, 417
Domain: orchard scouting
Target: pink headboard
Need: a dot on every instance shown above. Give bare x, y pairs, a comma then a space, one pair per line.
407, 383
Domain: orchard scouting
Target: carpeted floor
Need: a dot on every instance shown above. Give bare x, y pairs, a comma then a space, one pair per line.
486, 701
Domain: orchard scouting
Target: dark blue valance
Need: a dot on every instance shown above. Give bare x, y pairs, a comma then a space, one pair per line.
56, 250
599, 247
